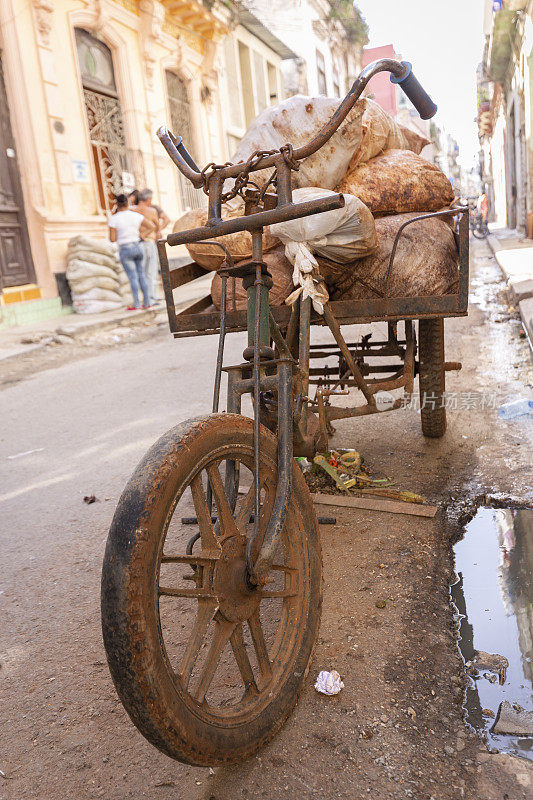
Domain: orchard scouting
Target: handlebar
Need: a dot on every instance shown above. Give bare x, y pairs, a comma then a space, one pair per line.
415, 92
401, 73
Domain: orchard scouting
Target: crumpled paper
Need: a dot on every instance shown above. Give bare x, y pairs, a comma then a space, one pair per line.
306, 275
329, 682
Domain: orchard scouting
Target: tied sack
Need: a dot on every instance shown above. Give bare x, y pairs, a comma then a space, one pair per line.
295, 121
414, 141
398, 182
342, 235
239, 244
426, 261
279, 267
379, 132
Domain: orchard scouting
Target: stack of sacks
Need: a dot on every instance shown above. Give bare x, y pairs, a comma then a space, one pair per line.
375, 163
96, 277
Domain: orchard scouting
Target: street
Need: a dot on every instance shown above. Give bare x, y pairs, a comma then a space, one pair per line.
78, 427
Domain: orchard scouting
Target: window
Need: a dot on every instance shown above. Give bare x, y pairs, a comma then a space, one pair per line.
113, 161
321, 73
336, 82
181, 124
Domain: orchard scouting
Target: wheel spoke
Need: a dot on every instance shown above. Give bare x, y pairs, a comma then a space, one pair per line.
193, 560
203, 515
241, 657
200, 593
225, 516
246, 510
204, 615
258, 638
221, 636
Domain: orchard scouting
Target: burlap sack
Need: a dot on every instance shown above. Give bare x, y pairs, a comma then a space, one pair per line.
95, 293
280, 269
239, 244
397, 182
380, 132
96, 306
81, 254
93, 245
78, 269
295, 121
85, 284
413, 140
426, 262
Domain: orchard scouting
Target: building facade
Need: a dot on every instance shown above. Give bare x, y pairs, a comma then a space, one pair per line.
505, 87
86, 84
327, 37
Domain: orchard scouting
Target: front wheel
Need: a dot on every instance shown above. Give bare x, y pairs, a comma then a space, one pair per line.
208, 669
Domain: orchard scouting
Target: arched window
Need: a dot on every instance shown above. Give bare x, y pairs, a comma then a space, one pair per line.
112, 160
181, 124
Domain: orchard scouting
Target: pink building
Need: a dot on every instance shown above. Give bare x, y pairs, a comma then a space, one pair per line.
383, 91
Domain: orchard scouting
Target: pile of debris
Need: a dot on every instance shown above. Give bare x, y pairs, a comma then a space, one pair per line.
344, 253
96, 277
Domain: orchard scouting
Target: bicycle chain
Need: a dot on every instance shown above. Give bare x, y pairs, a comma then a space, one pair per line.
243, 178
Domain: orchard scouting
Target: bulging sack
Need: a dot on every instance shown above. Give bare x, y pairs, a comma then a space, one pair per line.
379, 132
98, 259
95, 306
79, 269
398, 182
295, 121
279, 267
342, 234
94, 245
239, 244
414, 141
97, 293
426, 261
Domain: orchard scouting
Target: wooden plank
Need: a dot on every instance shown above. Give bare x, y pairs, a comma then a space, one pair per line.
186, 274
375, 504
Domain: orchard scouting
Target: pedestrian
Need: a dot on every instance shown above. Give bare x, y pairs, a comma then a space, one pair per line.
133, 197
126, 228
151, 261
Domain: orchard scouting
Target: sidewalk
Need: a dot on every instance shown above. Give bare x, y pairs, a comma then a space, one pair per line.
514, 255
25, 338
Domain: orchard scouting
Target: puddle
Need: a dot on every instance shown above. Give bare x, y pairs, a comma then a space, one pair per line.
494, 597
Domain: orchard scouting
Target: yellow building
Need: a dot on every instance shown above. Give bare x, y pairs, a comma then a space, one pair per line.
87, 83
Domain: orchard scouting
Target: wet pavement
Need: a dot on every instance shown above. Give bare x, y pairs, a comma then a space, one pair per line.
494, 600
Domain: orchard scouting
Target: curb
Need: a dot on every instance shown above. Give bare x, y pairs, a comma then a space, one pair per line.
521, 291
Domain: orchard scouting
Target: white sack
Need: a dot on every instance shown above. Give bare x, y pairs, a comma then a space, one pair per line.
78, 269
95, 306
97, 294
82, 254
93, 245
295, 121
81, 285
342, 234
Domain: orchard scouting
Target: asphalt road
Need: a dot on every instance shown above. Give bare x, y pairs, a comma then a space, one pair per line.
76, 424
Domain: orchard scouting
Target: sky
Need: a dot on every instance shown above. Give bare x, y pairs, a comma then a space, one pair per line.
443, 39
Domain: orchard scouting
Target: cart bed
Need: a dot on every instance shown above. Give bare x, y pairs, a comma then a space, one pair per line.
202, 318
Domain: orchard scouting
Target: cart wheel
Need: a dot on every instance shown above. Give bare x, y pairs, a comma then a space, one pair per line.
207, 669
432, 377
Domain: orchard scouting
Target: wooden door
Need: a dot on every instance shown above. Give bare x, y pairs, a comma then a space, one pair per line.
16, 265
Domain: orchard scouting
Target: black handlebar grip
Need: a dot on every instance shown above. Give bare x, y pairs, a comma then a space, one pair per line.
415, 92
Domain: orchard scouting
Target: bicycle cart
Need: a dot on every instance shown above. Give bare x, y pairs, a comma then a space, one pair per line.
212, 584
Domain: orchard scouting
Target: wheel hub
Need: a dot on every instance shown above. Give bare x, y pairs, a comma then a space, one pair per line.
237, 602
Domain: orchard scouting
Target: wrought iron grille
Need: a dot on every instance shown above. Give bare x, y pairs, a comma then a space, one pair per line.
180, 119
112, 157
